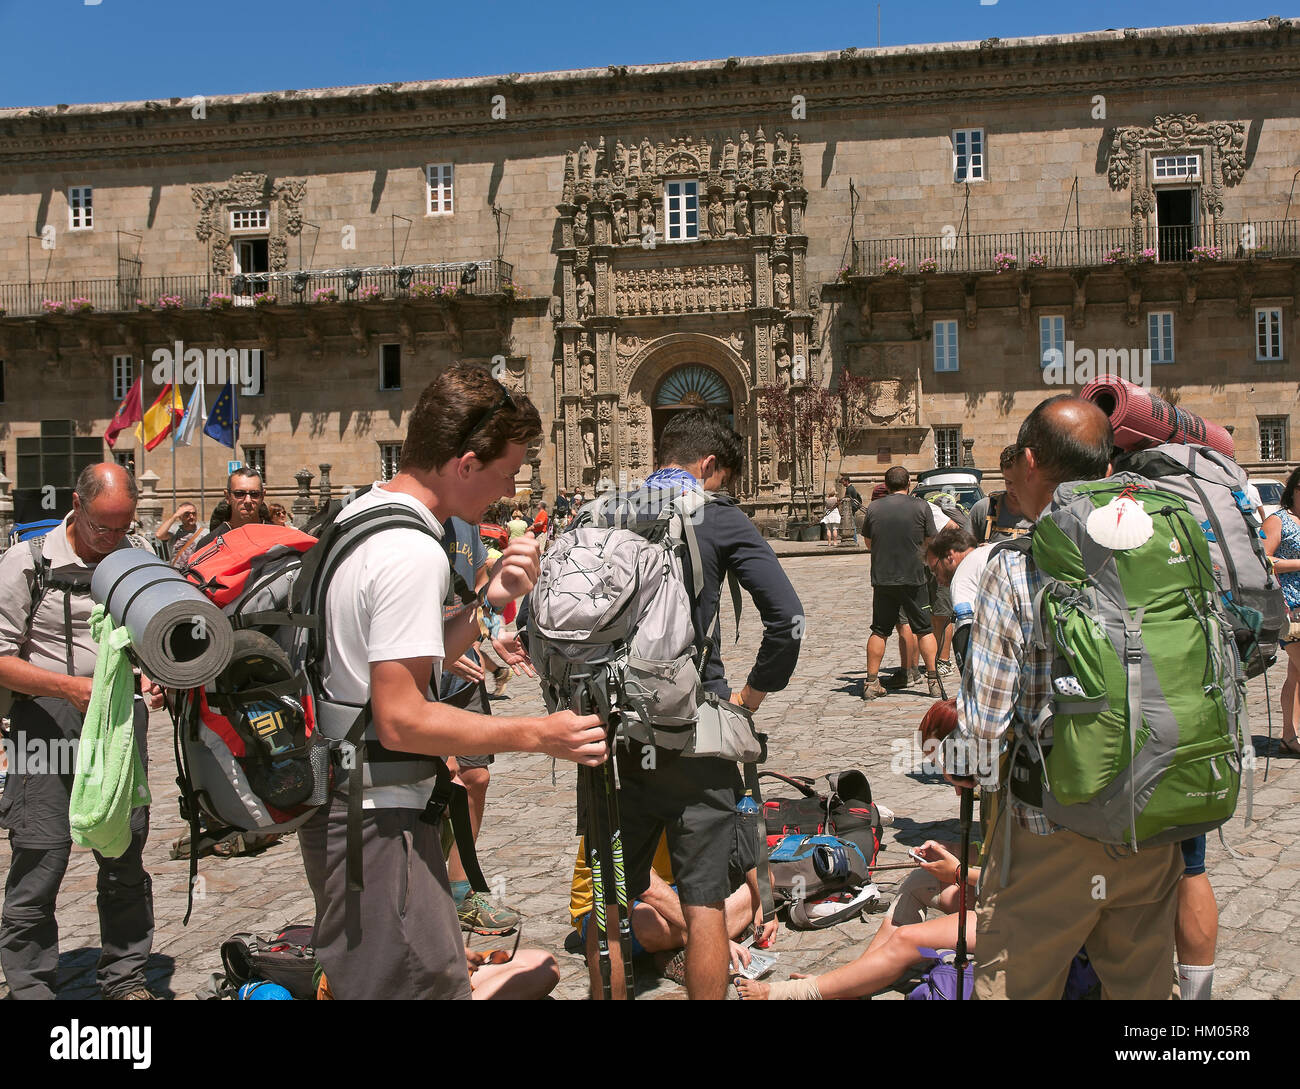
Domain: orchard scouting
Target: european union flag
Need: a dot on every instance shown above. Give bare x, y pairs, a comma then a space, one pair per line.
223, 420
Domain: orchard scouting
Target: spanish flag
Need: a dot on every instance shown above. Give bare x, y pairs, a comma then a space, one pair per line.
162, 416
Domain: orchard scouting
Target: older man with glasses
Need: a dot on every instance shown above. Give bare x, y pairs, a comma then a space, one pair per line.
47, 659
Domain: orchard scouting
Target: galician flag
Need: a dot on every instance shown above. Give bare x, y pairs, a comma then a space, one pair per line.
195, 415
161, 417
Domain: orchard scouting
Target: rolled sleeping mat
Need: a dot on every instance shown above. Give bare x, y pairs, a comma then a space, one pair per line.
182, 639
1141, 419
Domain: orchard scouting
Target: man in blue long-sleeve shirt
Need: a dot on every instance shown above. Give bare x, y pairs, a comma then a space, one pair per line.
695, 798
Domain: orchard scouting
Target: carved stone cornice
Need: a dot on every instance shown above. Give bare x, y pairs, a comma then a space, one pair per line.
1102, 62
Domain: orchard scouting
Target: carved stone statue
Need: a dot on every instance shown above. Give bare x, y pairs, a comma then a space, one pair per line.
621, 225
581, 228
780, 214
584, 163
586, 297
647, 158
781, 286
588, 447
783, 363
588, 375
717, 217
742, 213
737, 341
781, 152
645, 216
745, 161
620, 159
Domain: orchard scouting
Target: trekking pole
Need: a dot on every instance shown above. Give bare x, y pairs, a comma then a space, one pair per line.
587, 784
963, 873
614, 823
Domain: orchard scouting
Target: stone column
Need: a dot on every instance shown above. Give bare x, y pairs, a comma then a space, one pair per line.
302, 505
968, 455
149, 508
326, 489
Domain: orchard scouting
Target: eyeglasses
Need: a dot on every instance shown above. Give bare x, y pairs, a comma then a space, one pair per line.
245, 494
500, 956
105, 531
484, 417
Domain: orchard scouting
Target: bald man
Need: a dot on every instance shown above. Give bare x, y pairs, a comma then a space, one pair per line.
47, 659
1055, 890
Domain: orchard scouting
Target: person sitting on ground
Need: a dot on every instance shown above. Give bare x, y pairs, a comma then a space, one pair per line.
904, 940
657, 924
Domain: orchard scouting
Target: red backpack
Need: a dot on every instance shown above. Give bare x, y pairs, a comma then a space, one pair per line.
237, 564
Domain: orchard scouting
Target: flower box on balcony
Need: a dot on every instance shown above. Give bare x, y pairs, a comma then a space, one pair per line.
371, 293
263, 298
927, 264
893, 266
423, 289
1147, 256
54, 306
1113, 256
80, 306
1205, 253
219, 300
1004, 262
325, 295
170, 302
1038, 260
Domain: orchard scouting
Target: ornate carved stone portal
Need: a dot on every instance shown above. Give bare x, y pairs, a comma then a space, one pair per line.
725, 298
247, 190
1220, 144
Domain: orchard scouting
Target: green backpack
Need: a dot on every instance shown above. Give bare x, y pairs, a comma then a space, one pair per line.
1148, 706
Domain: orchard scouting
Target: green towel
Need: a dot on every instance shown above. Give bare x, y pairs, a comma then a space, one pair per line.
110, 778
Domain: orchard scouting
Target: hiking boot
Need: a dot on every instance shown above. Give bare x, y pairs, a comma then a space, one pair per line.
915, 676
944, 668
873, 690
480, 916
502, 678
935, 685
674, 968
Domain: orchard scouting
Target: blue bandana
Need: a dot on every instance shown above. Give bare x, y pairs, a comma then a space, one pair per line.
673, 478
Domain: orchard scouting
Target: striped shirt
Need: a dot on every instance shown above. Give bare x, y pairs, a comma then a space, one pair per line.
1007, 680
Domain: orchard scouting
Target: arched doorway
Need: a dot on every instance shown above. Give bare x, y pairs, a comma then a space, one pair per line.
691, 385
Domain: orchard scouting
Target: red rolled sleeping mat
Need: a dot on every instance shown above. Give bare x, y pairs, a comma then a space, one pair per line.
1141, 419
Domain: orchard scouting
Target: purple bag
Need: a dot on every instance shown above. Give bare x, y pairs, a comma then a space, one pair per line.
940, 982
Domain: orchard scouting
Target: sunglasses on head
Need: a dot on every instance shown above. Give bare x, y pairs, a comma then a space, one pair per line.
485, 417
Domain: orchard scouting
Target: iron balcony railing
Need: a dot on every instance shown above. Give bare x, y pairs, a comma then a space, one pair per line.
159, 292
1079, 248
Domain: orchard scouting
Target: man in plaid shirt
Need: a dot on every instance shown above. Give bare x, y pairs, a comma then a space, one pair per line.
1046, 891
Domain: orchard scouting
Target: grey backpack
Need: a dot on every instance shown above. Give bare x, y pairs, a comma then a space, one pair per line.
610, 619
1214, 488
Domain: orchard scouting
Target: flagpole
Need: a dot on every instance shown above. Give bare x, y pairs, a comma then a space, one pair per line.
174, 429
203, 503
141, 428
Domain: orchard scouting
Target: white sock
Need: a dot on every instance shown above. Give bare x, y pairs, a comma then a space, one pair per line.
1195, 982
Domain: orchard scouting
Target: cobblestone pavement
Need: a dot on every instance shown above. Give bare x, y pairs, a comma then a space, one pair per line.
819, 724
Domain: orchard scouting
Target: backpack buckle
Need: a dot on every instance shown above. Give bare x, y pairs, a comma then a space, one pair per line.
344, 754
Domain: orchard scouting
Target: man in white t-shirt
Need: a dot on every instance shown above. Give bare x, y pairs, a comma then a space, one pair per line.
399, 937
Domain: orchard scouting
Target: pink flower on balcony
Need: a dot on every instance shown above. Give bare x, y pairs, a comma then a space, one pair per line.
370, 293
170, 302
893, 266
1004, 262
54, 306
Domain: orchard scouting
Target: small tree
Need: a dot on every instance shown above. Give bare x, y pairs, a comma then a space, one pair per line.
851, 392
798, 420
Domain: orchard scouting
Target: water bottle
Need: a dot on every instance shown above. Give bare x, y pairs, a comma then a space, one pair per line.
747, 805
260, 989
963, 617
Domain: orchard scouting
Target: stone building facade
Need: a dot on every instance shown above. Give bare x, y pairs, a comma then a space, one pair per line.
621, 243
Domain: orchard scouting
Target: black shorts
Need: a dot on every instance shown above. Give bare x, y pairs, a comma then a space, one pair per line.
694, 800
888, 601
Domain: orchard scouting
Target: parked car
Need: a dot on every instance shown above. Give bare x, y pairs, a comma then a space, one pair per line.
962, 484
1270, 493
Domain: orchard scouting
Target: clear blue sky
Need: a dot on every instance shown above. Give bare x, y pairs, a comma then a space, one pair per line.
54, 51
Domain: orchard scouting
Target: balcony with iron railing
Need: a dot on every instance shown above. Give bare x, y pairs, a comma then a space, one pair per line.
373, 283
1073, 248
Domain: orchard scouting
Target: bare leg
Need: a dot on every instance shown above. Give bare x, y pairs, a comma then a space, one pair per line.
1196, 926
875, 653
878, 968
928, 648
943, 634
617, 987
476, 786
739, 911
708, 954
1291, 691
532, 974
907, 646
